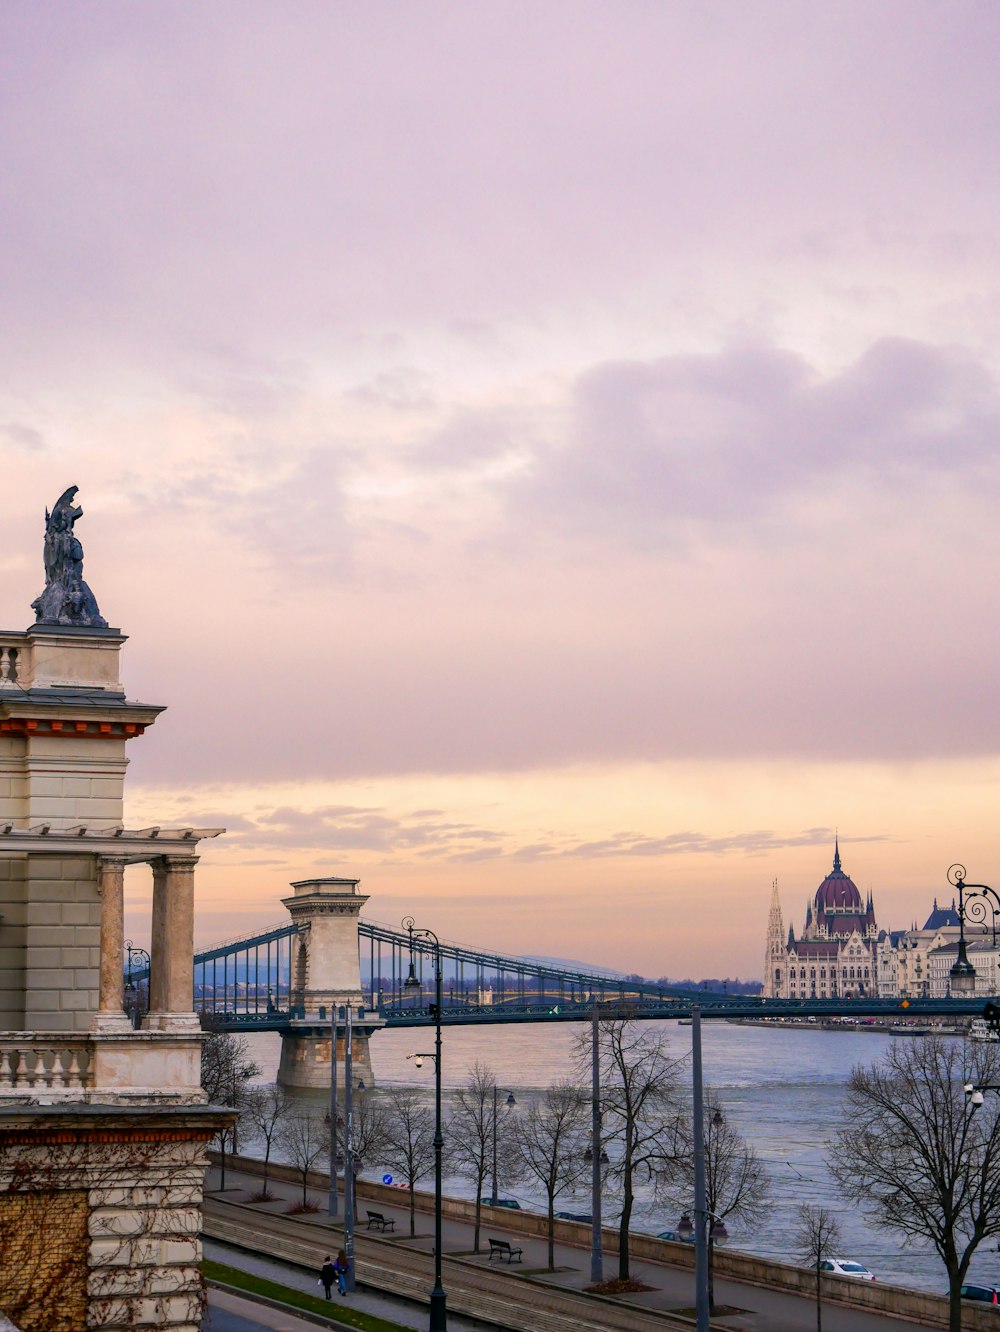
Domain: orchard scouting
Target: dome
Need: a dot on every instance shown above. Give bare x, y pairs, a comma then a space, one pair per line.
838, 892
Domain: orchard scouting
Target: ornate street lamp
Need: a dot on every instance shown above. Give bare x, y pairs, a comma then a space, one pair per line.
130, 952
510, 1105
979, 903
439, 1315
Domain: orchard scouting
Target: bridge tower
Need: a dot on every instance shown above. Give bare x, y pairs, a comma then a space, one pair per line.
326, 974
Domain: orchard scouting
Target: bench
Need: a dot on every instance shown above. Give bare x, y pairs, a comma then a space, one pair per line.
503, 1248
381, 1222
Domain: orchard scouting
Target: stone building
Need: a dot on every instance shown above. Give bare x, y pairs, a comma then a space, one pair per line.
103, 1128
836, 955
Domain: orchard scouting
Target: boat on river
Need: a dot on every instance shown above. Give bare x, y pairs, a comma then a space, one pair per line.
980, 1030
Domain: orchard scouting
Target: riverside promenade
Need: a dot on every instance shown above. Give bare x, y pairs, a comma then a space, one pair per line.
524, 1298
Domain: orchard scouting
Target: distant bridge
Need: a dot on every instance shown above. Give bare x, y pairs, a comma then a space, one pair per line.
245, 984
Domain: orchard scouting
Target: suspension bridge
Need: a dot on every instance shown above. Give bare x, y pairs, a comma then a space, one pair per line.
300, 977
245, 984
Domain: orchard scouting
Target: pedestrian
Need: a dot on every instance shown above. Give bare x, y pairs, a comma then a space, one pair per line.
340, 1267
328, 1275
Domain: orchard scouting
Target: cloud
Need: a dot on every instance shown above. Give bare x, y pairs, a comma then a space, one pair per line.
22, 436
654, 448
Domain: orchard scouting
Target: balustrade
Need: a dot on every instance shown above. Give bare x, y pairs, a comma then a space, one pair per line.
32, 1063
9, 657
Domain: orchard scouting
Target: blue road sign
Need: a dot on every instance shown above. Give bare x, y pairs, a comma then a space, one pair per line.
386, 1179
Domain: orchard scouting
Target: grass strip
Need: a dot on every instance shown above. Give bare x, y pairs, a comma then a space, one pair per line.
255, 1285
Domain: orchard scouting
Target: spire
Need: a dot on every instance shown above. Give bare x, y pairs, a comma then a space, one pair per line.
836, 853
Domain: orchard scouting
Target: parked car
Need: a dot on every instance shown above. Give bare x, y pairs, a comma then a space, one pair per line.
844, 1267
984, 1294
673, 1235
503, 1202
574, 1216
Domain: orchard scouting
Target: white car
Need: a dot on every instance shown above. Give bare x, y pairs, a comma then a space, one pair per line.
844, 1267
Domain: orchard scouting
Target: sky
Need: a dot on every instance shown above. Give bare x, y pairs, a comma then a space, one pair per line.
543, 454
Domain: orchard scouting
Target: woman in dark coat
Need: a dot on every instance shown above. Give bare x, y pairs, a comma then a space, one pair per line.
328, 1275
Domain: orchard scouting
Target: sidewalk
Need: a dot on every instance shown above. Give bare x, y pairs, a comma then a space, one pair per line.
753, 1309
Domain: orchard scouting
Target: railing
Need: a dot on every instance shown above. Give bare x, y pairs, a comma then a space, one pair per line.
30, 1063
11, 658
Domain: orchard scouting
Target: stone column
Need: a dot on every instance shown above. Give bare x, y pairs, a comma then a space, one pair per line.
110, 1015
158, 944
172, 963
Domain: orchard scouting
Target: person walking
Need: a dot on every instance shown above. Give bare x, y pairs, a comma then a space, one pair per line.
328, 1275
340, 1267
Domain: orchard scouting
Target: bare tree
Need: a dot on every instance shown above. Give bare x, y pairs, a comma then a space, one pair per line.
305, 1140
817, 1235
471, 1134
265, 1110
369, 1127
408, 1146
551, 1138
919, 1157
645, 1125
736, 1181
226, 1070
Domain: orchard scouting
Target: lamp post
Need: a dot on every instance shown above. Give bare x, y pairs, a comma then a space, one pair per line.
596, 1250
439, 1315
332, 1196
700, 1204
510, 1105
130, 952
349, 1149
974, 1092
977, 902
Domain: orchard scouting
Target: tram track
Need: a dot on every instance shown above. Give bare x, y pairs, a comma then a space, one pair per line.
511, 1300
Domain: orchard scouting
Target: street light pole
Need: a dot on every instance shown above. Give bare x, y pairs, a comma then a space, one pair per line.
983, 903
496, 1128
349, 1151
596, 1252
700, 1200
332, 1198
439, 1314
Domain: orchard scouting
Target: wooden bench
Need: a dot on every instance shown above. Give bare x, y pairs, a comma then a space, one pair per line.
503, 1248
381, 1222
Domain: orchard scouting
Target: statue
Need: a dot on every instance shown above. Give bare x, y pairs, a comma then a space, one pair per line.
67, 599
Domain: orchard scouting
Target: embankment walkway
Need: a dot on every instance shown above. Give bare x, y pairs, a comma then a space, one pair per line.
528, 1298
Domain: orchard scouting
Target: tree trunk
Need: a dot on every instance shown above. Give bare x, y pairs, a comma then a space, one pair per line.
955, 1301
479, 1217
267, 1158
222, 1161
623, 1227
305, 1187
413, 1204
711, 1273
819, 1300
552, 1232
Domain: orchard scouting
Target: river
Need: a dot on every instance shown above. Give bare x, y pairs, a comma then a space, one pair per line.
784, 1089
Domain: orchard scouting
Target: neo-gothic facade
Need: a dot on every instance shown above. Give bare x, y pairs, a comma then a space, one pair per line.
841, 953
837, 953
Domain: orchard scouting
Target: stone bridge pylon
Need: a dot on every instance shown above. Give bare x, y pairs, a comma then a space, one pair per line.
326, 977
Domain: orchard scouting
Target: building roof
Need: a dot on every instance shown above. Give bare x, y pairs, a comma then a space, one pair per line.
838, 893
942, 916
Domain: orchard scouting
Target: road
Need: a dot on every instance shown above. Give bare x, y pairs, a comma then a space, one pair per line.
405, 1265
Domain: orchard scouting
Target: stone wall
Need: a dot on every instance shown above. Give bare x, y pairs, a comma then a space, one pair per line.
128, 1185
43, 1259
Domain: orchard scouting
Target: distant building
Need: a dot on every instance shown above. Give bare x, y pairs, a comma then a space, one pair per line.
842, 954
837, 954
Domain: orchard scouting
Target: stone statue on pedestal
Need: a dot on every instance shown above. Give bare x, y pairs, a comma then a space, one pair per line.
66, 599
